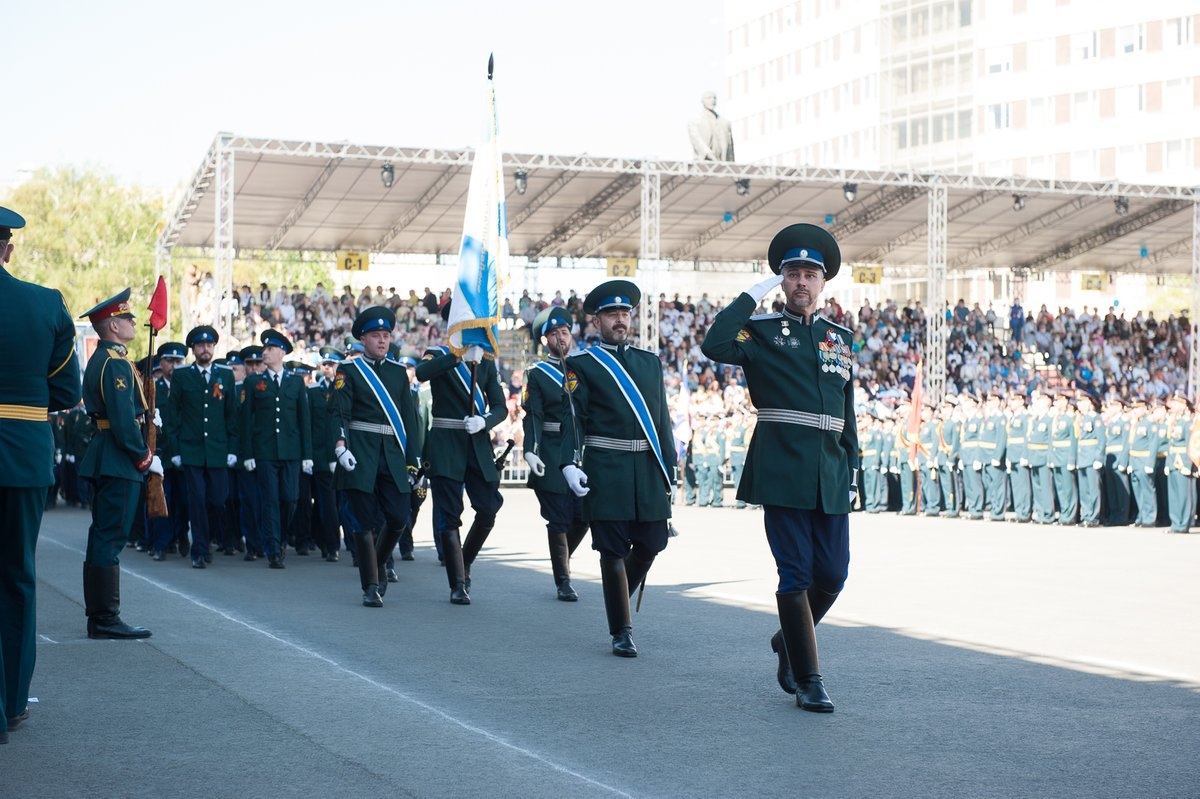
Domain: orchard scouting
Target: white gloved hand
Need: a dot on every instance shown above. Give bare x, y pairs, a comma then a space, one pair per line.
763, 288
1097, 465
157, 419
58, 456
1025, 462
70, 459
1070, 467
933, 471
1128, 470
535, 464
249, 464
176, 461
995, 463
977, 466
306, 466
345, 458
473, 424
231, 460
332, 465
1166, 470
853, 494
155, 466
473, 354
1149, 469
576, 480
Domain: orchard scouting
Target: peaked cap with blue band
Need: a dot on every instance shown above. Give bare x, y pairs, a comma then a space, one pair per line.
201, 334
276, 338
172, 349
551, 318
612, 294
234, 358
377, 317
803, 244
331, 355
252, 354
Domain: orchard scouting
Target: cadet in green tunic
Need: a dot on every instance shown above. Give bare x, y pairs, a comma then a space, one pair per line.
1089, 457
1144, 440
948, 452
993, 446
927, 454
739, 440
546, 414
324, 461
972, 457
38, 374
1017, 432
1037, 445
423, 399
1181, 488
1116, 465
116, 463
373, 412
1062, 459
625, 444
803, 460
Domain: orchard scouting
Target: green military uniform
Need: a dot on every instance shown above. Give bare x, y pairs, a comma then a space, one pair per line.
948, 459
1089, 461
1037, 444
1144, 442
972, 460
1116, 467
993, 446
739, 442
38, 374
1017, 452
927, 459
902, 460
1181, 485
1062, 463
714, 464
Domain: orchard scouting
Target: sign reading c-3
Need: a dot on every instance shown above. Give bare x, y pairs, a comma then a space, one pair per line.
868, 274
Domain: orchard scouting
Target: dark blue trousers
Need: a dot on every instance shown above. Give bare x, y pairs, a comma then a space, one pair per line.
278, 486
811, 548
559, 510
207, 490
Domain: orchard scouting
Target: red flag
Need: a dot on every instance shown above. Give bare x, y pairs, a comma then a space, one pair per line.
914, 412
159, 306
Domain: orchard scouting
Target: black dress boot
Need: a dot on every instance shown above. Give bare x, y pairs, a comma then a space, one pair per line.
383, 550
800, 638
452, 554
476, 536
636, 570
560, 564
575, 534
368, 571
819, 602
616, 605
102, 603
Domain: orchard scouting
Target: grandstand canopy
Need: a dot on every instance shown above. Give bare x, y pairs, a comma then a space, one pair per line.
326, 196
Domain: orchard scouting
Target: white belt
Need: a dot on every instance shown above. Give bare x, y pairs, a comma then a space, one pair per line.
821, 421
623, 444
368, 427
452, 424
551, 427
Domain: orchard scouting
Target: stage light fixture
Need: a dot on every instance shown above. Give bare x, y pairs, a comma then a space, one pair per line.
1121, 206
388, 175
742, 186
521, 179
850, 192
1018, 202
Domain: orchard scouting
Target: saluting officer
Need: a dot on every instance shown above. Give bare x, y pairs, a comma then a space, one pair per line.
276, 439
544, 399
116, 463
1062, 459
373, 413
39, 373
202, 436
621, 456
1017, 452
1089, 457
803, 460
1181, 488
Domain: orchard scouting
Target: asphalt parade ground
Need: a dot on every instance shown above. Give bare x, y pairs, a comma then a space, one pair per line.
966, 659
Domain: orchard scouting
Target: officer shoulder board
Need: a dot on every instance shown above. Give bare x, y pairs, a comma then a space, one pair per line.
385, 401
759, 317
464, 377
635, 399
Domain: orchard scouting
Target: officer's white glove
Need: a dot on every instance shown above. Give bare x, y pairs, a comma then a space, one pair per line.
535, 464
70, 459
995, 463
977, 466
332, 465
1128, 470
576, 480
231, 460
157, 419
853, 494
473, 354
1097, 465
763, 288
176, 461
1149, 469
155, 466
473, 424
1070, 467
249, 464
306, 466
1025, 462
58, 456
345, 458
1166, 470
933, 471
671, 492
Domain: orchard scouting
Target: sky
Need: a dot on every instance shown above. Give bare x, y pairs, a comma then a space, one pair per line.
140, 89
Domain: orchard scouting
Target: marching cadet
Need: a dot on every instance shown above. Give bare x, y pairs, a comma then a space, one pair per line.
1143, 455
116, 463
1037, 443
423, 399
1089, 457
1062, 459
1116, 464
202, 437
993, 449
971, 454
1181, 488
740, 429
621, 457
167, 532
467, 402
691, 481
798, 370
871, 463
373, 412
949, 473
304, 529
249, 500
547, 412
927, 455
233, 539
324, 461
1017, 455
39, 373
904, 461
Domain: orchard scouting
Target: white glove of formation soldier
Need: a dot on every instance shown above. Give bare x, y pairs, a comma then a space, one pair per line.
576, 480
176, 461
155, 466
306, 466
853, 494
249, 464
231, 460
345, 458
1097, 465
473, 354
762, 289
535, 464
157, 419
473, 424
70, 459
977, 466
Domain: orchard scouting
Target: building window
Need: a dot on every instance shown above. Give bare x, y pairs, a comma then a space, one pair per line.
920, 77
1177, 96
900, 134
999, 59
999, 116
1085, 46
964, 124
920, 132
964, 13
1041, 113
1130, 99
1132, 38
1178, 32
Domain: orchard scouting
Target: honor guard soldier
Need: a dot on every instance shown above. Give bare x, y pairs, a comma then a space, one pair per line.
1062, 459
547, 412
948, 442
1144, 440
249, 501
275, 438
927, 456
1037, 444
373, 412
993, 445
116, 463
202, 434
1089, 457
1016, 432
869, 460
39, 374
1116, 464
467, 402
803, 467
625, 437
174, 528
740, 430
904, 462
324, 461
972, 457
423, 402
1181, 487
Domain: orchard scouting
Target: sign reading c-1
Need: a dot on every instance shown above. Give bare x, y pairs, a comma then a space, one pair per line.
353, 261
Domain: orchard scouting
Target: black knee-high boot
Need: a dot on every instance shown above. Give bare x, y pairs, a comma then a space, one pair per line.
368, 571
800, 643
476, 536
820, 602
102, 604
636, 570
560, 564
383, 550
616, 605
575, 534
452, 555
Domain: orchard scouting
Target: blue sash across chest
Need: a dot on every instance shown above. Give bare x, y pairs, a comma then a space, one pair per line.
385, 401
464, 377
635, 399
